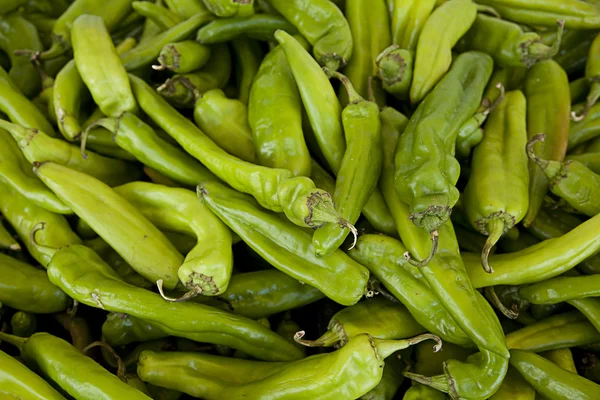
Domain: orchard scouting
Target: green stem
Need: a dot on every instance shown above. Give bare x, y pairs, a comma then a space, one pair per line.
552, 169
495, 229
16, 341
108, 123
435, 237
438, 382
386, 348
353, 96
328, 339
493, 298
590, 101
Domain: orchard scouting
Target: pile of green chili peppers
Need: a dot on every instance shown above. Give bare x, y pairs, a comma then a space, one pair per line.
299, 199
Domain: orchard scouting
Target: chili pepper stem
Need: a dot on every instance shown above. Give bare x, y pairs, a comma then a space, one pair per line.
386, 348
491, 295
196, 291
159, 67
536, 51
323, 211
371, 88
495, 229
554, 170
390, 65
328, 339
110, 124
435, 236
353, 96
121, 370
591, 99
438, 382
16, 341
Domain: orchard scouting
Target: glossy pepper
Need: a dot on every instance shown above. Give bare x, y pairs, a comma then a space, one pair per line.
324, 26
561, 288
379, 317
18, 381
27, 288
390, 382
7, 241
426, 170
97, 285
359, 171
207, 267
182, 90
507, 43
592, 74
37, 146
183, 57
68, 95
153, 256
407, 19
158, 14
496, 195
230, 8
248, 57
441, 31
572, 181
584, 130
225, 121
576, 14
362, 353
258, 26
101, 70
186, 8
275, 116
286, 247
23, 323
62, 363
547, 92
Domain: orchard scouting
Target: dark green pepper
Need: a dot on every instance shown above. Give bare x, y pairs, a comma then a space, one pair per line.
23, 324
258, 26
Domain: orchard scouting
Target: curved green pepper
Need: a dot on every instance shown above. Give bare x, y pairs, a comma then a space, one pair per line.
94, 283
359, 171
101, 69
23, 323
258, 26
426, 170
186, 8
496, 195
275, 116
159, 15
115, 220
408, 18
225, 121
26, 288
7, 241
19, 382
323, 24
68, 95
585, 130
75, 373
547, 91
379, 317
444, 27
183, 57
207, 267
286, 247
561, 357
592, 74
561, 288
248, 55
230, 8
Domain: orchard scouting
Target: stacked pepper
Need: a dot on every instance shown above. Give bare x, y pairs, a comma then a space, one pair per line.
301, 199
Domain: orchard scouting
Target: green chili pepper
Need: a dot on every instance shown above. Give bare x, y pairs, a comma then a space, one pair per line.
19, 382
572, 181
359, 171
592, 74
552, 223
230, 8
576, 14
94, 283
590, 307
555, 332
259, 181
137, 138
161, 16
123, 329
422, 179
578, 88
183, 89
18, 108
28, 289
186, 8
574, 50
258, 26
68, 95
370, 28
362, 353
561, 288
101, 70
590, 160
286, 247
75, 373
275, 116
323, 25
78, 329
15, 172
112, 13
499, 162
381, 254
153, 256
440, 33
546, 90
514, 387
395, 69
550, 380
183, 57
23, 324
37, 146
7, 241
507, 43
225, 121
586, 129
561, 357
207, 267
18, 33
390, 382
145, 53
422, 392
408, 18
248, 55
379, 317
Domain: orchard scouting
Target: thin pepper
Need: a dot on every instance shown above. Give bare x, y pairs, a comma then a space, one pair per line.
496, 195
182, 57
68, 95
186, 8
592, 75
230, 8
561, 357
584, 130
408, 18
259, 27
547, 92
161, 16
572, 181
561, 288
95, 284
248, 55
7, 241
